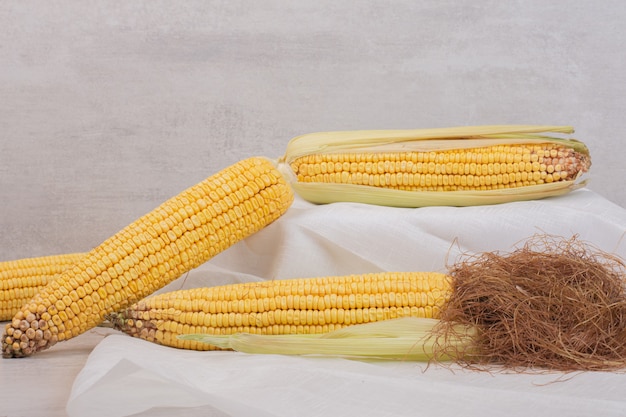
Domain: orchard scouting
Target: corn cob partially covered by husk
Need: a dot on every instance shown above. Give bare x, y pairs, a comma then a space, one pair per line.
177, 236
21, 279
290, 306
552, 304
461, 166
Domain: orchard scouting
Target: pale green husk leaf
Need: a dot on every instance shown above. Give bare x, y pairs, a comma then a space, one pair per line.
407, 338
330, 193
425, 139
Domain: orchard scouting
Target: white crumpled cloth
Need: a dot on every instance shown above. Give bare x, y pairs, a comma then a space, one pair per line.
124, 376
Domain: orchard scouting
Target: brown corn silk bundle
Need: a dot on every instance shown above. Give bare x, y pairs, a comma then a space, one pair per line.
554, 304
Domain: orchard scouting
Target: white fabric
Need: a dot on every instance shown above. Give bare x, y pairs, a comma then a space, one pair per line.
127, 376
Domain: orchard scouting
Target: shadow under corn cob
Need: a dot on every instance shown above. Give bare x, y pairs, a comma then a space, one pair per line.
177, 236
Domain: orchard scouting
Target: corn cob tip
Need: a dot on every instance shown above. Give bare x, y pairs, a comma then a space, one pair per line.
27, 334
133, 322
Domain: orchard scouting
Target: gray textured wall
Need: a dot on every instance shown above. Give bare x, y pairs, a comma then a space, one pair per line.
109, 108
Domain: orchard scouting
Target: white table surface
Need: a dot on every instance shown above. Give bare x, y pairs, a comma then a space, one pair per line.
39, 386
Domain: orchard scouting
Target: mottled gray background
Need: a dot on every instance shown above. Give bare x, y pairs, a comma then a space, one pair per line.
109, 108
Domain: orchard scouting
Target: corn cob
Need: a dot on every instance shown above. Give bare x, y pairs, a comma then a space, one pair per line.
291, 306
21, 279
457, 166
159, 247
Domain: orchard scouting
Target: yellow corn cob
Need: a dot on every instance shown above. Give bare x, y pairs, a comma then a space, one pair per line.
21, 279
486, 168
159, 247
458, 166
305, 305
